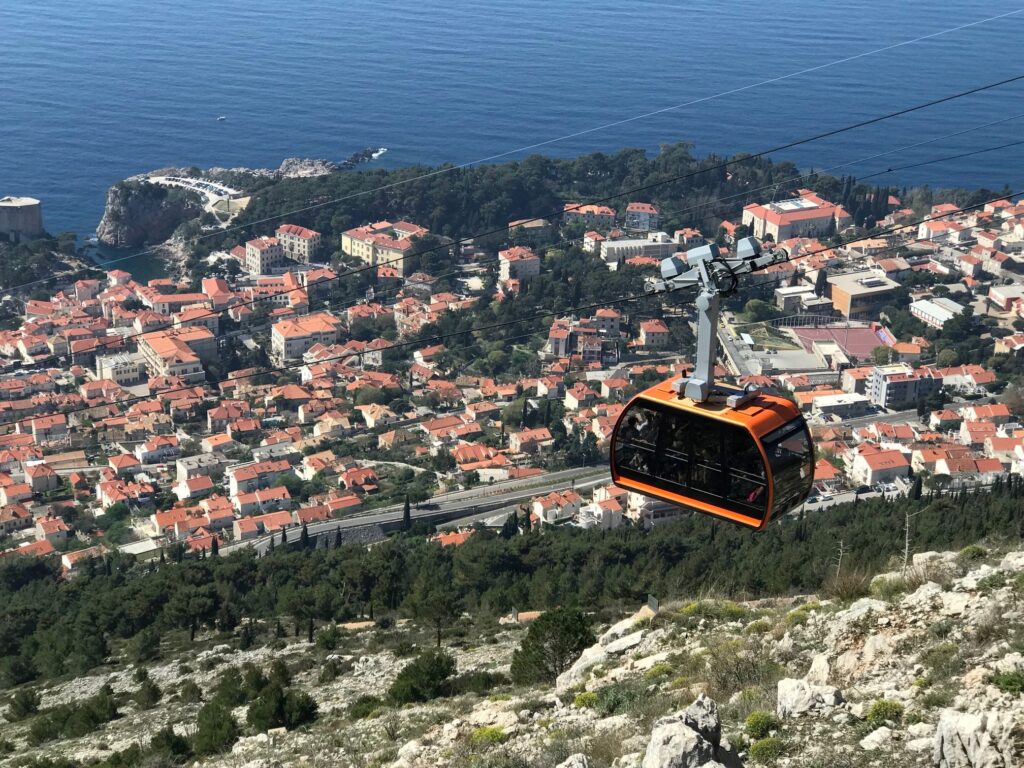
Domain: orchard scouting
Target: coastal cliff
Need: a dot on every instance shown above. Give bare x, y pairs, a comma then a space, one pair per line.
138, 213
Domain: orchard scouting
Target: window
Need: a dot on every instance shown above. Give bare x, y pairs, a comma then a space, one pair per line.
692, 456
791, 457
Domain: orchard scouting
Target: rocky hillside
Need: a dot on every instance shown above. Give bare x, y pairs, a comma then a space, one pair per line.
138, 213
926, 671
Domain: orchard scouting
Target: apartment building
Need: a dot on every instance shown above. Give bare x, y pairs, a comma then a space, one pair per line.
178, 352
383, 243
263, 255
861, 295
641, 217
890, 385
807, 215
590, 215
291, 339
298, 243
517, 263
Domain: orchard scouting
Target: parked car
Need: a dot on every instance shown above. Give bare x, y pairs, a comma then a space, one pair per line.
863, 489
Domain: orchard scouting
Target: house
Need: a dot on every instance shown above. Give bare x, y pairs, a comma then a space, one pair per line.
193, 488
52, 529
14, 517
876, 465
263, 255
244, 478
826, 476
250, 527
595, 216
262, 500
530, 440
159, 449
556, 507
48, 429
376, 415
654, 334
42, 478
15, 492
603, 515
579, 396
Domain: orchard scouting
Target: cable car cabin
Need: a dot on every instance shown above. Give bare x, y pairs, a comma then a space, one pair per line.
747, 464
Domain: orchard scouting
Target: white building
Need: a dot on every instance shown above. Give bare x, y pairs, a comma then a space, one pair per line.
263, 255
657, 245
936, 312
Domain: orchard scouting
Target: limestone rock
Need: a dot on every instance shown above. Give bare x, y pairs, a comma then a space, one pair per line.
617, 630
577, 673
819, 671
975, 740
799, 697
877, 739
919, 745
933, 558
579, 760
674, 744
624, 643
921, 730
1012, 561
702, 716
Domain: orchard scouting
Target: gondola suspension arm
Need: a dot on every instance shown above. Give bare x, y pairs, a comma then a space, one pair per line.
715, 275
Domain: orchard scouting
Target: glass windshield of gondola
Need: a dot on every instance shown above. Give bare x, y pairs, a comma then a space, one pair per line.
791, 457
673, 453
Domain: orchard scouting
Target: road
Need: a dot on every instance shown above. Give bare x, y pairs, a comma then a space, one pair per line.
899, 417
449, 506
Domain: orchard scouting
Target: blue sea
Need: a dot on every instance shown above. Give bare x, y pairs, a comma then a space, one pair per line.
92, 92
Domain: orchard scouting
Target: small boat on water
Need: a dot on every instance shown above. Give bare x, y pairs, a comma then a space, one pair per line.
379, 152
221, 119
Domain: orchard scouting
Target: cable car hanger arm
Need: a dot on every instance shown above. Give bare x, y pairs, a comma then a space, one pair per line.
716, 276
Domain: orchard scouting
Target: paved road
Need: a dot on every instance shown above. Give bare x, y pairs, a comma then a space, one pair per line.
494, 497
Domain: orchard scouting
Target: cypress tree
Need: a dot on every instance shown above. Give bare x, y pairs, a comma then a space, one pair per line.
407, 514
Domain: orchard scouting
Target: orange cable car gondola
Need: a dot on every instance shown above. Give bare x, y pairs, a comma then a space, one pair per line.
739, 455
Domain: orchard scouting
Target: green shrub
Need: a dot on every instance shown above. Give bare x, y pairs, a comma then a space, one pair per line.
276, 707
659, 670
767, 751
190, 692
993, 582
936, 698
480, 682
329, 638
890, 588
426, 677
148, 695
759, 627
971, 554
167, 743
717, 610
24, 704
585, 700
71, 721
552, 643
487, 736
616, 698
365, 707
1008, 682
883, 711
942, 660
760, 723
216, 730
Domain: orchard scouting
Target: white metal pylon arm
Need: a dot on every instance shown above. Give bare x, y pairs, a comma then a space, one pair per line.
714, 274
